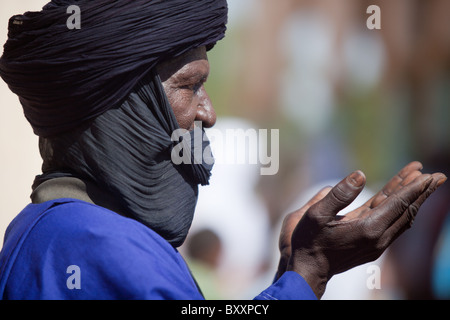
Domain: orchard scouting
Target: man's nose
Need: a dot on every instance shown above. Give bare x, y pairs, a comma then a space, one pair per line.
205, 110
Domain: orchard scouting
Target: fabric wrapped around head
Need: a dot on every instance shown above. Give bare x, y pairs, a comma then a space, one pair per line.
95, 99
126, 153
65, 77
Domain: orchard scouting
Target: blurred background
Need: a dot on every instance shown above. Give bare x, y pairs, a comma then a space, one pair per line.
343, 97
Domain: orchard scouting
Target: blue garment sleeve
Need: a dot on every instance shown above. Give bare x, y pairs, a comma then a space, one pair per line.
290, 286
76, 250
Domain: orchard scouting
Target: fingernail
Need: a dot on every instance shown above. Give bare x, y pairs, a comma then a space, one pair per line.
441, 181
357, 178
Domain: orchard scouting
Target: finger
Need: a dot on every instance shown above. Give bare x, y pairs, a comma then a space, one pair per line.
394, 183
394, 187
376, 200
393, 207
340, 196
407, 218
317, 197
402, 178
410, 178
297, 215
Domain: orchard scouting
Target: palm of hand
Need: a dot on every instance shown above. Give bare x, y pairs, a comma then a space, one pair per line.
338, 243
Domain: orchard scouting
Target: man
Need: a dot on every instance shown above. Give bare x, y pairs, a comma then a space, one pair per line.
111, 207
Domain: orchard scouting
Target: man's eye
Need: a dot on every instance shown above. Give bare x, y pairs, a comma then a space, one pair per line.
193, 87
197, 87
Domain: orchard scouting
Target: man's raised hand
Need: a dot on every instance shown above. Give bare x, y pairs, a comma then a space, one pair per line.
323, 244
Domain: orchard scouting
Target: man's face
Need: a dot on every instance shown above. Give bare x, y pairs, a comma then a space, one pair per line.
183, 80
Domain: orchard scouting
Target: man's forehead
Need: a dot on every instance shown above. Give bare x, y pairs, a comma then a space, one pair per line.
195, 60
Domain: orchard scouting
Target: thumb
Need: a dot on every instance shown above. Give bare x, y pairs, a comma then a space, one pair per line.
341, 195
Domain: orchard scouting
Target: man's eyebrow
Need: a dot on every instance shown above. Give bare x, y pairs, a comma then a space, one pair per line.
190, 75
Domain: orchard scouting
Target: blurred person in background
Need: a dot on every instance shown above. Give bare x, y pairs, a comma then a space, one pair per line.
348, 95
204, 251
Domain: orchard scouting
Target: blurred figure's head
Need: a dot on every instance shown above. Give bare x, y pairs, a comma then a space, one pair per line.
205, 246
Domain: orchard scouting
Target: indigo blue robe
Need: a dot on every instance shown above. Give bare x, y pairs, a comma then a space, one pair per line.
71, 249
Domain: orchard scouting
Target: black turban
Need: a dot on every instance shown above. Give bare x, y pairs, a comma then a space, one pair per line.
94, 97
65, 77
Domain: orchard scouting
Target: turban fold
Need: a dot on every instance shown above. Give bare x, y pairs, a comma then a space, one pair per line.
66, 77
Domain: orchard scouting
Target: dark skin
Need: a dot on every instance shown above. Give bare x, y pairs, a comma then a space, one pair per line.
318, 244
315, 242
183, 80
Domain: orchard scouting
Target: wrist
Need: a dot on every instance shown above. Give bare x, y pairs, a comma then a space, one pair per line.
312, 270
